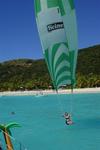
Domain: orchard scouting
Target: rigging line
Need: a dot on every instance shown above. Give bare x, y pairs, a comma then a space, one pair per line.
14, 139
71, 104
71, 100
60, 104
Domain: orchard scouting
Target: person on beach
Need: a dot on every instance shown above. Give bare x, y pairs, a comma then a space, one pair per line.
68, 119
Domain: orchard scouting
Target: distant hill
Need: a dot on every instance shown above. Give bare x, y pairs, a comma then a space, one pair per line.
33, 74
89, 60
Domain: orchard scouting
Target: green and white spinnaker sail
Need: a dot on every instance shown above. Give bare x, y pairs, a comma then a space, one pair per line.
57, 29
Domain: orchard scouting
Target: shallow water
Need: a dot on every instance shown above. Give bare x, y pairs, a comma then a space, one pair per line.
44, 128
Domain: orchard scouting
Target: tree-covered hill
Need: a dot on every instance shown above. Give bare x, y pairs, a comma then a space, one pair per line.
89, 61
30, 74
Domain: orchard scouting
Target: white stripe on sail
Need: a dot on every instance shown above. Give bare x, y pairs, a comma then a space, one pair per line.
71, 30
43, 5
65, 73
50, 59
62, 49
64, 63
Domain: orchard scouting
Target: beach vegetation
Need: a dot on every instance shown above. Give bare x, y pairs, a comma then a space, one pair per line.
28, 74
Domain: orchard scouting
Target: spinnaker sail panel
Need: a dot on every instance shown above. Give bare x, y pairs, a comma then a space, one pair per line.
52, 19
71, 29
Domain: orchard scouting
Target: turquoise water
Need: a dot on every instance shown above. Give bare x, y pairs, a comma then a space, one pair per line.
44, 128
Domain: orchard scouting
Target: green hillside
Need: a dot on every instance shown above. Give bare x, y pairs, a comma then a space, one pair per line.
88, 67
89, 61
29, 74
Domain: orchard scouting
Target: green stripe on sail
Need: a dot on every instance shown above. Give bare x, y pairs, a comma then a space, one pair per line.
60, 59
37, 6
66, 44
72, 58
63, 69
71, 54
55, 3
61, 7
47, 61
49, 68
71, 2
54, 50
52, 3
63, 79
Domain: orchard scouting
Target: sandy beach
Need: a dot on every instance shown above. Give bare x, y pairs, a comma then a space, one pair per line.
46, 92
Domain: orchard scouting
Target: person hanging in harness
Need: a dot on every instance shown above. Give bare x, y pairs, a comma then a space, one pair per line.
68, 119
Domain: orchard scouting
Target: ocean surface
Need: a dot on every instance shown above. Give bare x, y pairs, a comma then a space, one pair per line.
42, 124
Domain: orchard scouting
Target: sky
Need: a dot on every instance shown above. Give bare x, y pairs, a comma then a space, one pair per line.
18, 32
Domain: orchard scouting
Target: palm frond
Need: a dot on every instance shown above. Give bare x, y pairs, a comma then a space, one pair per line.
2, 127
9, 132
12, 125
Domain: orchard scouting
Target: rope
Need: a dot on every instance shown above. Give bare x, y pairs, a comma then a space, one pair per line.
60, 105
71, 103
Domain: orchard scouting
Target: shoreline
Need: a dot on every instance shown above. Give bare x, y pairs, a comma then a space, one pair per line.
49, 92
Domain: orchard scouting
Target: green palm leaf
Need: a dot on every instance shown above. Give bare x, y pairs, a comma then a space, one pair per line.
9, 132
12, 125
2, 127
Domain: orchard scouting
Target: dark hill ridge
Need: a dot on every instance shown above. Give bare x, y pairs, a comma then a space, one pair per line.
33, 74
89, 60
